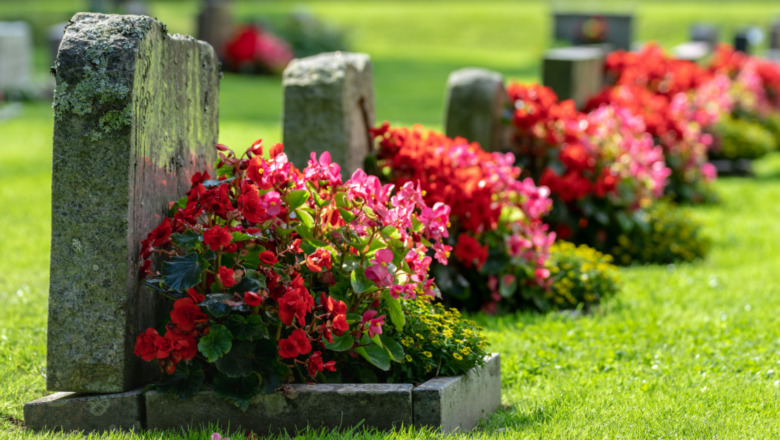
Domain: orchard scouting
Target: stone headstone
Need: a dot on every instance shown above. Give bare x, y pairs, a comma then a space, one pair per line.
474, 105
692, 51
575, 73
15, 55
587, 28
742, 42
704, 32
215, 24
329, 106
774, 35
135, 115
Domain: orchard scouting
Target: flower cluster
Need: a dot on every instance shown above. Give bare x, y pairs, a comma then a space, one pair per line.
439, 340
281, 275
581, 275
254, 50
496, 218
601, 167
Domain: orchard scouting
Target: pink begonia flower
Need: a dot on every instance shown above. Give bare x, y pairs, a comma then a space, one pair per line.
378, 273
323, 169
218, 436
272, 202
709, 171
407, 290
374, 324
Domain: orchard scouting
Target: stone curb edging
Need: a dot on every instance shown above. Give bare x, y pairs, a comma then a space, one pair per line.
451, 403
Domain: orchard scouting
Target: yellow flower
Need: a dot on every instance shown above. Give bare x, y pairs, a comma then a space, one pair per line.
408, 358
428, 354
457, 356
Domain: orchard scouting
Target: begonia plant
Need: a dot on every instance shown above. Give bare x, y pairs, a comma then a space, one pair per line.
278, 275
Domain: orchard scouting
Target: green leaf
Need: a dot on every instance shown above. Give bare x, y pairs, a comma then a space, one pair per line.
239, 361
251, 281
216, 343
417, 225
346, 215
340, 290
342, 201
391, 231
305, 217
240, 236
375, 355
238, 390
319, 201
179, 205
215, 304
274, 374
340, 343
359, 281
394, 348
181, 273
395, 310
184, 382
186, 240
247, 328
296, 198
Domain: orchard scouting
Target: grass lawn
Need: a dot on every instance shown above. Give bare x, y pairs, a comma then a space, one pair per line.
683, 351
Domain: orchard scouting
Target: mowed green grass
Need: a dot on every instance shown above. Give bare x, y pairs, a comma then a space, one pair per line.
689, 351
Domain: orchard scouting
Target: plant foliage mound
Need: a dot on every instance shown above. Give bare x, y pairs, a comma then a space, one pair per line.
501, 245
278, 275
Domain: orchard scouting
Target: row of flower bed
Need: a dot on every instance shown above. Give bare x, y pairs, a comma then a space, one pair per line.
278, 275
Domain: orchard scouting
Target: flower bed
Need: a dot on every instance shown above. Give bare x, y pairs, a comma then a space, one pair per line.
501, 246
279, 276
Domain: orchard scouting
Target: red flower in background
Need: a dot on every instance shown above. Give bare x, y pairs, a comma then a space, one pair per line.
217, 237
470, 251
146, 344
187, 315
256, 49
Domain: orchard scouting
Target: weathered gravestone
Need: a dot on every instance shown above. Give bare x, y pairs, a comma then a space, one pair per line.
15, 55
774, 35
692, 50
742, 41
135, 115
705, 33
617, 30
475, 102
215, 24
329, 106
575, 73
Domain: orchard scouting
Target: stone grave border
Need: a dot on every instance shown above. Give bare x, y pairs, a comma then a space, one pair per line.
454, 403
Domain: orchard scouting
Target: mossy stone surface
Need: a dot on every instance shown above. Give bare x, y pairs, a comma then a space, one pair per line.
135, 115
329, 106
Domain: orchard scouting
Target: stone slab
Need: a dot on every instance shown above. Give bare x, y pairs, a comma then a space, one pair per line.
135, 115
475, 102
705, 33
574, 72
774, 35
216, 24
76, 412
329, 106
381, 406
567, 26
734, 167
458, 403
692, 50
15, 55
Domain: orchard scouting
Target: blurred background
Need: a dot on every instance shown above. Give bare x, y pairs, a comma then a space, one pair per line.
414, 45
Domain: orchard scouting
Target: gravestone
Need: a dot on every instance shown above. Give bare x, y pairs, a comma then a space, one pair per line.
575, 73
215, 24
705, 33
15, 55
135, 115
617, 30
742, 42
692, 51
329, 106
474, 105
774, 35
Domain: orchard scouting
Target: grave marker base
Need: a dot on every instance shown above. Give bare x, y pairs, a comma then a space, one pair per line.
450, 403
